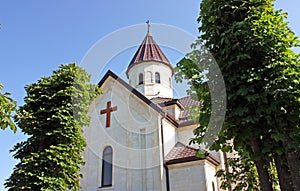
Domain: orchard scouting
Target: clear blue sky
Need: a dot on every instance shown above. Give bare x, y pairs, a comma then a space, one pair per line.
37, 36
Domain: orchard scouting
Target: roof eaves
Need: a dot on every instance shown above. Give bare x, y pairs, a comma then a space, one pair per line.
183, 160
211, 158
171, 119
172, 102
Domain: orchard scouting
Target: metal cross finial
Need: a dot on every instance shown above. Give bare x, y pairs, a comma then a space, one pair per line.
148, 25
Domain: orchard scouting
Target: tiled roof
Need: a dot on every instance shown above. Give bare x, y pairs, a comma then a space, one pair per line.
149, 51
187, 102
180, 151
184, 103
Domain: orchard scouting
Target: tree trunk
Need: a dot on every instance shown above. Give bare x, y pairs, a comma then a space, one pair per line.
261, 164
293, 160
264, 178
284, 175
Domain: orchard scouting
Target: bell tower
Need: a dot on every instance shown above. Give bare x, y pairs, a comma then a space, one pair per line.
150, 71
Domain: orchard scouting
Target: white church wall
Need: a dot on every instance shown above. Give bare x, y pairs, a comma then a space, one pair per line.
134, 137
187, 176
184, 135
169, 133
211, 179
177, 112
92, 182
174, 110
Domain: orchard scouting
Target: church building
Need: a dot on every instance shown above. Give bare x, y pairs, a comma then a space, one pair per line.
138, 138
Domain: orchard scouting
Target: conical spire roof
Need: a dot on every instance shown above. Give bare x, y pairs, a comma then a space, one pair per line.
149, 51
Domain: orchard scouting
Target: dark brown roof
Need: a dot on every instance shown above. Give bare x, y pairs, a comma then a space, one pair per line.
149, 51
181, 153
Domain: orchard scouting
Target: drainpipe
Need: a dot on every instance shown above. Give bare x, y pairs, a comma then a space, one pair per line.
163, 153
167, 177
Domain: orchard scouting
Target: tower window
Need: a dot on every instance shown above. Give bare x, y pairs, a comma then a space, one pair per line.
148, 77
157, 77
107, 167
141, 79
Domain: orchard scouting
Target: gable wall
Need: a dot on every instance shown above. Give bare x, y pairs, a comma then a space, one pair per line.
134, 137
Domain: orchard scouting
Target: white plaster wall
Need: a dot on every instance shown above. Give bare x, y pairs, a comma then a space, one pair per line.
184, 135
210, 177
150, 88
169, 133
177, 111
132, 124
187, 176
174, 110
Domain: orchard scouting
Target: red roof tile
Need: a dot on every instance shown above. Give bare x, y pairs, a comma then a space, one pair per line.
187, 102
180, 151
149, 51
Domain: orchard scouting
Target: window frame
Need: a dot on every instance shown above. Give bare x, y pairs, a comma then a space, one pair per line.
157, 77
107, 158
140, 79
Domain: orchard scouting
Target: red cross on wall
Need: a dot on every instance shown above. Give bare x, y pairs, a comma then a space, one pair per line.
107, 111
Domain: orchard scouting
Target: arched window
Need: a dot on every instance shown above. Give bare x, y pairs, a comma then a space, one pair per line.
107, 167
170, 82
157, 77
141, 79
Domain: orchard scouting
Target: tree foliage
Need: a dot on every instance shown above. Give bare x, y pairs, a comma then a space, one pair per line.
54, 112
242, 175
252, 44
7, 108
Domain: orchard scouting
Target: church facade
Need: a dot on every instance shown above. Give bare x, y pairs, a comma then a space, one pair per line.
138, 138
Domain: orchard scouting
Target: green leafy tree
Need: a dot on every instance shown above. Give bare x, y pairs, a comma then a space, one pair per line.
242, 174
252, 45
7, 108
54, 112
